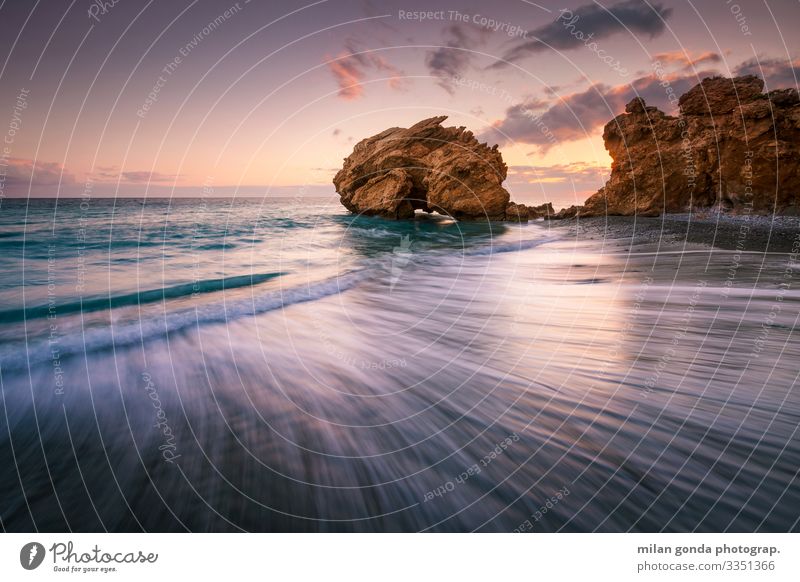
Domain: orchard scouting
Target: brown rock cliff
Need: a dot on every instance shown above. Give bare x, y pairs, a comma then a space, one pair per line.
427, 167
732, 146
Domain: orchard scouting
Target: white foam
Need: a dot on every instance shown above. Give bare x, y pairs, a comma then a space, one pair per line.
129, 333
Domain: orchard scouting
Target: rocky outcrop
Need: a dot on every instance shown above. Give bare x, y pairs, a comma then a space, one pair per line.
427, 167
541, 211
731, 147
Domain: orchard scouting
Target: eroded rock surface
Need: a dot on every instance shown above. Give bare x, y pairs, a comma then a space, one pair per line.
428, 167
732, 147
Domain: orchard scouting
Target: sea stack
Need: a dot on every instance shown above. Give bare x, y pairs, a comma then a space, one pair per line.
733, 147
431, 168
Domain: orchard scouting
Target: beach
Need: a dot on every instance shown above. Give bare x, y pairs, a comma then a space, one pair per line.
748, 232
290, 367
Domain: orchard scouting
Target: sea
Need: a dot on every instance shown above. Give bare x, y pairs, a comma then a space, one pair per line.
282, 365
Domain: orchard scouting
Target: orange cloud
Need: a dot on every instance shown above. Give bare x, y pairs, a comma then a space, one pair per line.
584, 175
685, 60
350, 68
348, 76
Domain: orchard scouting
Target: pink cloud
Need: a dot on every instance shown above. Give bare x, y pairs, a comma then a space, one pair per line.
21, 171
113, 174
351, 68
348, 76
686, 60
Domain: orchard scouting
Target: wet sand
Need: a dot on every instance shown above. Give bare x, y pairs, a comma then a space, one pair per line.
734, 232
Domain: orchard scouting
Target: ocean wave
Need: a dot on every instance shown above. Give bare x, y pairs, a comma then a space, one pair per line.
92, 340
138, 298
511, 247
15, 356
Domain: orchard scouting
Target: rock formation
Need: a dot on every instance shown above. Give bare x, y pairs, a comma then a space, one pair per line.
541, 211
427, 167
732, 147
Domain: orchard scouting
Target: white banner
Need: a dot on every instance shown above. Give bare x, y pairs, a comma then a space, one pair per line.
407, 557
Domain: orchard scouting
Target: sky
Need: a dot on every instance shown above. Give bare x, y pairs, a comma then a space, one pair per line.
254, 98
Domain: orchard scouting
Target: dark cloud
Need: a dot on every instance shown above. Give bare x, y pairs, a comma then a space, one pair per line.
574, 28
777, 73
573, 117
452, 60
19, 172
578, 115
351, 67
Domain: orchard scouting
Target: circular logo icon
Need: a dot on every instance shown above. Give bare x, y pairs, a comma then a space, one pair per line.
31, 555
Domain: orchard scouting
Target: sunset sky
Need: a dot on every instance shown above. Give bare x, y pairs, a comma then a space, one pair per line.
251, 98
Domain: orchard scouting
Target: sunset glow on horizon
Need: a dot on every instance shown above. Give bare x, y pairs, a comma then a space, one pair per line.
254, 99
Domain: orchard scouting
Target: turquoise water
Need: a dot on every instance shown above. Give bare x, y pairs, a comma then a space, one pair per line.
214, 365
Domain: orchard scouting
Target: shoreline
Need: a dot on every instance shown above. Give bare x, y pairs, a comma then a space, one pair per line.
731, 232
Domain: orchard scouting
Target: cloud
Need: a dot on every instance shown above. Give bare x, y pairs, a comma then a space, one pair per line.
348, 76
561, 184
113, 174
573, 117
145, 177
685, 60
573, 28
578, 115
581, 174
352, 65
777, 73
452, 60
20, 171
